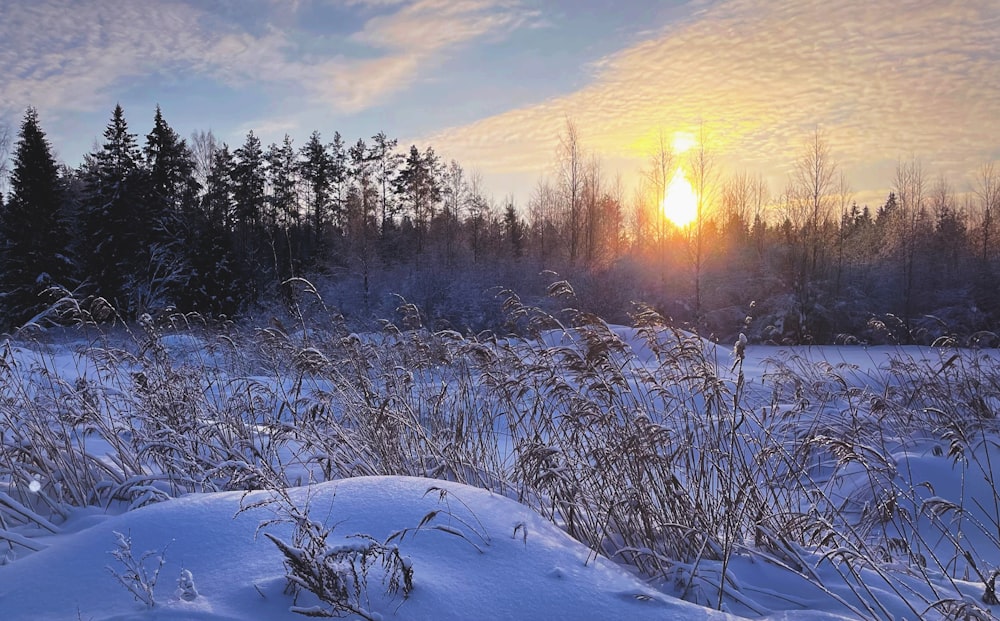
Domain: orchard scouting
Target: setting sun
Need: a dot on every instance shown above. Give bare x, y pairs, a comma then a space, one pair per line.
680, 203
683, 142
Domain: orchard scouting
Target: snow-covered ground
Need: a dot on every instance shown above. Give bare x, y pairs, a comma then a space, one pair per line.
513, 564
920, 489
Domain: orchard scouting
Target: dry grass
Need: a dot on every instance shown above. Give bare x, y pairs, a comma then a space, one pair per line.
671, 464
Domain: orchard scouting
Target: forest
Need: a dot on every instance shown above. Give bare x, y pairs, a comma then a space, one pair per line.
165, 224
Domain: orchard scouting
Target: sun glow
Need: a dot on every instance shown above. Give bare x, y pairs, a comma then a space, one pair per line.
680, 203
683, 142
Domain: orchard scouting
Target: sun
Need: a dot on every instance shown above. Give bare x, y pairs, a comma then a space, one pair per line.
680, 203
683, 142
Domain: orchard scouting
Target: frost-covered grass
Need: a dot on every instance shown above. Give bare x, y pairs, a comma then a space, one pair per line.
856, 482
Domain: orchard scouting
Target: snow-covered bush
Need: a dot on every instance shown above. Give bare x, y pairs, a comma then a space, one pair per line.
336, 573
186, 589
137, 575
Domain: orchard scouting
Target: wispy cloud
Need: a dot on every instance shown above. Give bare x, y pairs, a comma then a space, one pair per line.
885, 79
418, 34
58, 53
427, 26
65, 54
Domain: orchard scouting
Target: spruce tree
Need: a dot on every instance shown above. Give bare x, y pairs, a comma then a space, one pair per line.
419, 183
283, 180
171, 165
115, 225
339, 179
220, 280
170, 206
283, 227
316, 169
248, 194
33, 230
219, 199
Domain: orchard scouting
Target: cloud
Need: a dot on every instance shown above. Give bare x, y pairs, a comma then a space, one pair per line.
64, 54
427, 26
884, 79
411, 38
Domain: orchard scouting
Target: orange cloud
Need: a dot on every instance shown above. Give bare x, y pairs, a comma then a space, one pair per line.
884, 79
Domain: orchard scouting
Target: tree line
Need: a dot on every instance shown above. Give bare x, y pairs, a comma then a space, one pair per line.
196, 225
203, 227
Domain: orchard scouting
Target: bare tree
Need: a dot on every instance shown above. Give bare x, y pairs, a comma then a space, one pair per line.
4, 151
704, 182
657, 175
736, 198
542, 217
571, 164
635, 224
742, 201
645, 217
987, 190
949, 228
455, 195
478, 207
593, 193
909, 186
814, 178
613, 217
760, 195
203, 148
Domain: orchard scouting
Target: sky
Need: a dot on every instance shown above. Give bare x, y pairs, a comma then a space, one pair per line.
491, 83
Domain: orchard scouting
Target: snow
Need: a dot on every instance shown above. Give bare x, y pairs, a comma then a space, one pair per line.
483, 555
527, 568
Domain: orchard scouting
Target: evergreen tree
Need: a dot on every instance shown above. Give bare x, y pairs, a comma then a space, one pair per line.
282, 177
171, 164
386, 165
248, 188
339, 177
218, 203
221, 283
218, 283
283, 222
248, 194
419, 183
359, 208
317, 173
513, 230
170, 204
33, 230
115, 225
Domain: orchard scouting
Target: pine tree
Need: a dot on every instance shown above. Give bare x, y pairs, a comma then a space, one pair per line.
339, 175
248, 210
513, 230
171, 205
33, 230
172, 182
220, 281
283, 223
115, 225
419, 183
282, 179
317, 172
248, 194
386, 166
218, 203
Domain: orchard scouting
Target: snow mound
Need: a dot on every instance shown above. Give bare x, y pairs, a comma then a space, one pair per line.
509, 564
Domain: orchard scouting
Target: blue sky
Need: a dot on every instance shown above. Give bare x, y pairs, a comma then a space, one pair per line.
491, 82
